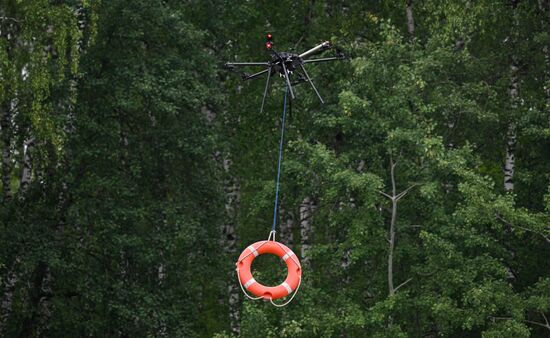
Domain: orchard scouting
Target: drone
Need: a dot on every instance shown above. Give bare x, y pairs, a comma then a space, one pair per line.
288, 65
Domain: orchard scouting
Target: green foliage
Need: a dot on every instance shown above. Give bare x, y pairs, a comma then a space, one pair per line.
118, 233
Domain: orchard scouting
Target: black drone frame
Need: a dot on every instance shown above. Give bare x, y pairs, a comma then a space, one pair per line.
287, 64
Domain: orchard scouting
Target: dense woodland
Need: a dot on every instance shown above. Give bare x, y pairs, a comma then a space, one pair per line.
135, 169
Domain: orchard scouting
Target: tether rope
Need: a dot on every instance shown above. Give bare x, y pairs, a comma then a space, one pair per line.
273, 228
275, 209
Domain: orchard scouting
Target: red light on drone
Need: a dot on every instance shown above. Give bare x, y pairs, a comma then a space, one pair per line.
268, 45
269, 36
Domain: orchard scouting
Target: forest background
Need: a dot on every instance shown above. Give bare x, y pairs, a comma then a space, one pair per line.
135, 168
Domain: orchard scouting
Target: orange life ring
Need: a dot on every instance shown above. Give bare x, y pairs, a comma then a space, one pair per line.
293, 277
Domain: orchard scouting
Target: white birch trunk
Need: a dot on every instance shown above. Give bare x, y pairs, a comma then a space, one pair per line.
346, 257
8, 286
7, 32
509, 161
513, 93
82, 23
285, 228
410, 17
5, 125
232, 201
10, 280
346, 262
544, 6
394, 197
26, 173
511, 135
392, 231
307, 207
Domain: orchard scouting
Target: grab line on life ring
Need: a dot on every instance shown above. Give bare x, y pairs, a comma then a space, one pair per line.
246, 281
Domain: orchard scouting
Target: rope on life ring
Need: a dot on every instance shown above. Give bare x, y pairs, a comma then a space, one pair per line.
247, 282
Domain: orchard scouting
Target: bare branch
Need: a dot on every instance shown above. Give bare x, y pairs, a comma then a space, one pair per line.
537, 323
392, 175
545, 319
392, 163
404, 192
523, 228
8, 18
547, 326
402, 284
388, 196
546, 238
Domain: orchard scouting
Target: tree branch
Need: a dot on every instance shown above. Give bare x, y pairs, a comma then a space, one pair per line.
545, 319
8, 18
523, 228
402, 284
392, 175
383, 193
547, 326
537, 323
404, 192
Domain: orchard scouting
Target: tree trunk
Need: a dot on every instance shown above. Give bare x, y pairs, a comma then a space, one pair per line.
346, 256
307, 207
511, 135
82, 22
392, 233
544, 6
5, 125
391, 244
8, 286
33, 323
346, 261
9, 282
285, 227
410, 18
26, 173
232, 202
7, 31
509, 161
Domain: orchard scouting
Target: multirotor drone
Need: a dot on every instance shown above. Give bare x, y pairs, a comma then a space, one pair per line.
288, 65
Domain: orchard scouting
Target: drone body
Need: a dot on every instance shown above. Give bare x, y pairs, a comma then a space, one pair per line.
290, 66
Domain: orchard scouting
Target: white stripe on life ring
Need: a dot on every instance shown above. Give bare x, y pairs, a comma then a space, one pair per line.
287, 287
253, 250
288, 254
250, 282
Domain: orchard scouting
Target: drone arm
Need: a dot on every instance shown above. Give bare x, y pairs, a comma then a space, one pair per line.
324, 59
231, 65
319, 48
255, 75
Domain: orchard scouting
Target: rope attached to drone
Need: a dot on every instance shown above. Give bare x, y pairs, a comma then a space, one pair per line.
275, 209
277, 182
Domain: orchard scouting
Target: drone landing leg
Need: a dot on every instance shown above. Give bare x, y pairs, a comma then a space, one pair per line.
287, 78
265, 90
311, 82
